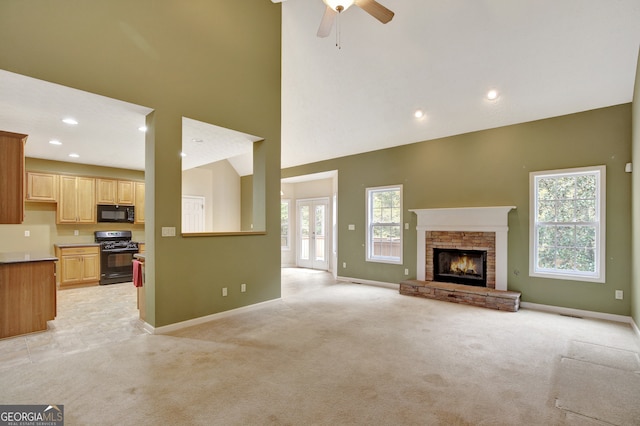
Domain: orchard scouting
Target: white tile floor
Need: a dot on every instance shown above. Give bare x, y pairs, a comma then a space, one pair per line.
87, 317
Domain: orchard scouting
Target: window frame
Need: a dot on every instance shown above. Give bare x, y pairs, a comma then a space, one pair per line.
370, 257
288, 203
599, 276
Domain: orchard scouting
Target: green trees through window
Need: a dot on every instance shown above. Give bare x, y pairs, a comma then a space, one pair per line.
567, 223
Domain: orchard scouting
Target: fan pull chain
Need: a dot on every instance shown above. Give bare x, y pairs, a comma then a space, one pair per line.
339, 9
338, 31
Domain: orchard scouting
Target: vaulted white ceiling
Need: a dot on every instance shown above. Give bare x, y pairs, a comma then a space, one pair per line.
545, 58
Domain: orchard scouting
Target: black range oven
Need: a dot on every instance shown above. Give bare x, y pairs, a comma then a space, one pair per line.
116, 256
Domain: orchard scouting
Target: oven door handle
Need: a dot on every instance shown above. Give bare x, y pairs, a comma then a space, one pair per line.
125, 250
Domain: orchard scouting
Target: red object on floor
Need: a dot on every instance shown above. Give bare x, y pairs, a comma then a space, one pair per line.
137, 273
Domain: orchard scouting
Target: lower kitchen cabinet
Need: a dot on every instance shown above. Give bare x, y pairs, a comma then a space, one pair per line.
27, 294
78, 265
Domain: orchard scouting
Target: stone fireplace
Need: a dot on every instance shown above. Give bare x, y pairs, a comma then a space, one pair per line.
469, 229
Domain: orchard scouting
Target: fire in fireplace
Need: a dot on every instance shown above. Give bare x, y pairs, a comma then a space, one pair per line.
460, 266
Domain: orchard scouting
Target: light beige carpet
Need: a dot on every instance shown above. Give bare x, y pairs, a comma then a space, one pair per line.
346, 354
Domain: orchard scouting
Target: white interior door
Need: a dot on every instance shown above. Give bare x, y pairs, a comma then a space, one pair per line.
192, 213
313, 242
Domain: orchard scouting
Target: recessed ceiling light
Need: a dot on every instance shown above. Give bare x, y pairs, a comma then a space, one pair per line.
74, 155
70, 120
492, 95
142, 128
419, 113
182, 154
55, 142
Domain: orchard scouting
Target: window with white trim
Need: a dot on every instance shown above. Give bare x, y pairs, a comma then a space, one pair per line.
384, 224
567, 224
284, 224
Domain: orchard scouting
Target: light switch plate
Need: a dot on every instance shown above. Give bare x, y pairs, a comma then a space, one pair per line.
352, 227
168, 231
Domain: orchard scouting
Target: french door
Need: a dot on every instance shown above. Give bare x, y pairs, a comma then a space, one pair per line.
313, 241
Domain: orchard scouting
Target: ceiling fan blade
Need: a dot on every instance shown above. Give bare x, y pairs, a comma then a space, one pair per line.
327, 22
375, 9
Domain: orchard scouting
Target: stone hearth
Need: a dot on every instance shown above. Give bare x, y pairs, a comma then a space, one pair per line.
463, 294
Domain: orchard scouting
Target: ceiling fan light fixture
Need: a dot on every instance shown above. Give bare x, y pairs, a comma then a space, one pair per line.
336, 4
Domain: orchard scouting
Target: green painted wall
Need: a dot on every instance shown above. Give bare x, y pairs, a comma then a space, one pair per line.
635, 290
491, 168
215, 61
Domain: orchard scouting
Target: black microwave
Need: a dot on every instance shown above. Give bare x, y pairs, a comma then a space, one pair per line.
114, 213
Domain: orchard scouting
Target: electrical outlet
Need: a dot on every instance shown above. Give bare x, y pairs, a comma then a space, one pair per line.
344, 264
243, 288
76, 232
27, 233
406, 271
619, 294
406, 225
224, 291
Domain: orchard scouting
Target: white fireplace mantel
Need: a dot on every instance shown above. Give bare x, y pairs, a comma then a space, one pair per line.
471, 219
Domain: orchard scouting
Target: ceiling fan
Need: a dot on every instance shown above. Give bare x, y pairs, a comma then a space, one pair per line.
334, 7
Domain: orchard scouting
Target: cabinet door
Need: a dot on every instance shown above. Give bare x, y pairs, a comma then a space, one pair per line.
86, 200
91, 267
71, 269
125, 192
139, 204
12, 188
42, 187
67, 211
106, 190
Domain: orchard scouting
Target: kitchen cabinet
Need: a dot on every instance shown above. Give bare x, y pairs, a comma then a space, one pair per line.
78, 265
12, 187
27, 293
77, 200
42, 187
139, 202
113, 191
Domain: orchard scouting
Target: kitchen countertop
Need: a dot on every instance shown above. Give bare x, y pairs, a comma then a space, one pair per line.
140, 256
26, 256
77, 245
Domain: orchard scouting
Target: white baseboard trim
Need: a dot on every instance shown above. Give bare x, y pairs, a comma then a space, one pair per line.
201, 320
394, 286
635, 328
577, 312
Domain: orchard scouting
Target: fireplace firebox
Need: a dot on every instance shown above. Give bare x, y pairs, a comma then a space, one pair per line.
460, 266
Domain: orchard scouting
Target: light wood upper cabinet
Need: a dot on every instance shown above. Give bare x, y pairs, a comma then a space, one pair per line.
42, 187
106, 191
12, 187
113, 191
77, 200
126, 192
139, 202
